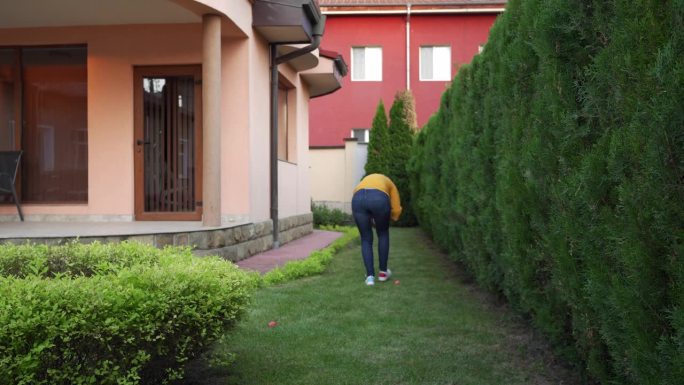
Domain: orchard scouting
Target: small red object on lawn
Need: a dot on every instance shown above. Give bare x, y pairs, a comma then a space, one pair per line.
272, 324
396, 282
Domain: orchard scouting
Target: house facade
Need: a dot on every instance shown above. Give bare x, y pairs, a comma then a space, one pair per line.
391, 45
161, 110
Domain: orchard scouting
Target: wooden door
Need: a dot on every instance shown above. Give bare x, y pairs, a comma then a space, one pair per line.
168, 143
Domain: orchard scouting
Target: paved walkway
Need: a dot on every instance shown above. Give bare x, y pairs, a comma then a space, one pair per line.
297, 249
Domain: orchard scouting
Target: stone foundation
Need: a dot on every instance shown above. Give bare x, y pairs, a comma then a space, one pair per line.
232, 243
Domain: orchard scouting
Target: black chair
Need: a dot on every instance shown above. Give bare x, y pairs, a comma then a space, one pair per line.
9, 165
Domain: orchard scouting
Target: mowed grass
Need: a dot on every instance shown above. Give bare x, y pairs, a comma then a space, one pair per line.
432, 327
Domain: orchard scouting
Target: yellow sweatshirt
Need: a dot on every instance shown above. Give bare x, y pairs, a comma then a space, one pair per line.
384, 184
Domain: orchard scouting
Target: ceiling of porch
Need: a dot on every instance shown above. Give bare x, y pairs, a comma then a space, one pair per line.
55, 13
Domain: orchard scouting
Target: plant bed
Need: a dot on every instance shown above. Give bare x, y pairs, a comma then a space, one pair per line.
316, 262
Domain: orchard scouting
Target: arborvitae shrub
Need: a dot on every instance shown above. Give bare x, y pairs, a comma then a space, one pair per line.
398, 151
376, 162
554, 170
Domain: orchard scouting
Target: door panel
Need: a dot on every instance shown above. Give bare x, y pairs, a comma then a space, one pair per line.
168, 143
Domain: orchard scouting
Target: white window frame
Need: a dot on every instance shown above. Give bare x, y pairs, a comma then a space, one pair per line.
287, 123
448, 66
377, 71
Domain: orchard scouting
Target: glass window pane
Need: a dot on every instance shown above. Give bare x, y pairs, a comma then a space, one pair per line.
374, 63
169, 143
426, 65
442, 63
435, 63
55, 137
358, 63
282, 123
7, 99
361, 134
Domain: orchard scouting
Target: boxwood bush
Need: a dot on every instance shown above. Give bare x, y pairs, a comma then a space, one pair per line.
75, 258
112, 314
325, 216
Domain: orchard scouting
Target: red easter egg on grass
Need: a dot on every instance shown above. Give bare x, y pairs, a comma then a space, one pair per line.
272, 324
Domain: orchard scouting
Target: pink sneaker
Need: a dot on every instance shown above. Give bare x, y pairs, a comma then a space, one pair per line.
384, 275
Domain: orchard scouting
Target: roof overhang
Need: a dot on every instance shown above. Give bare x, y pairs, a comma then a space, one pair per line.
327, 77
63, 13
300, 63
89, 13
404, 7
286, 21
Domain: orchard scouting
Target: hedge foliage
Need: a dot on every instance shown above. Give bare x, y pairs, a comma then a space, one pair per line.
111, 314
554, 170
324, 216
314, 263
76, 259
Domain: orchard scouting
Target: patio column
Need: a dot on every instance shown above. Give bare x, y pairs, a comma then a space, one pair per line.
211, 120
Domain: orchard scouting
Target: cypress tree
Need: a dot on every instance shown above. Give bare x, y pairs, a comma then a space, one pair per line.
398, 151
379, 137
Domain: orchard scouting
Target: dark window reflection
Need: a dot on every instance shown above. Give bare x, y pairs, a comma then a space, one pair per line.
55, 135
7, 102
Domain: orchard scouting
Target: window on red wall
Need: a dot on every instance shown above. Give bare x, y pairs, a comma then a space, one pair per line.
435, 63
366, 63
46, 89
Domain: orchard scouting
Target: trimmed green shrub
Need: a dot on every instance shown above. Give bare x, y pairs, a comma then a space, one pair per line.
314, 263
75, 259
324, 216
128, 323
554, 170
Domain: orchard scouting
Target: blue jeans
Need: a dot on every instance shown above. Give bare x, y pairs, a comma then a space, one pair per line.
372, 204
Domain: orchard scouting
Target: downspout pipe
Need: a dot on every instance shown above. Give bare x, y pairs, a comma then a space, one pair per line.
408, 46
275, 60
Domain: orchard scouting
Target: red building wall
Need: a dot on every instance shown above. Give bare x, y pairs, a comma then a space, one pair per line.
464, 33
331, 118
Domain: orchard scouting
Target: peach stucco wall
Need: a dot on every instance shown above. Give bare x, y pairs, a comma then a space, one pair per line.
113, 51
293, 175
326, 165
235, 187
335, 172
259, 129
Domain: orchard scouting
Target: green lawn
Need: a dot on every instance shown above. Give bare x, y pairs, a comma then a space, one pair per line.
432, 328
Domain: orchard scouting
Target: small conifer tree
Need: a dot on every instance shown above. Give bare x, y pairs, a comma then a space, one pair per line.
379, 137
398, 151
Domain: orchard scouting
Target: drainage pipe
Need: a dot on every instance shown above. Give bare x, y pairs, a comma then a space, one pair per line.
275, 60
408, 46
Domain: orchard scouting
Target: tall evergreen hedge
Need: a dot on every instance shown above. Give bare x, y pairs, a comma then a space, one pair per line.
554, 170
